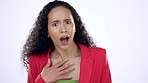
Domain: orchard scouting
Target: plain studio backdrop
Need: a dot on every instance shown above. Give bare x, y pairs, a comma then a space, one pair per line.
120, 26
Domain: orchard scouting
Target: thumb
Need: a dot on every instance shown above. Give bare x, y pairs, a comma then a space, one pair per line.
48, 64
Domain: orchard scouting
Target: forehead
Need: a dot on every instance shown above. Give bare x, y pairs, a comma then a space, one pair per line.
59, 13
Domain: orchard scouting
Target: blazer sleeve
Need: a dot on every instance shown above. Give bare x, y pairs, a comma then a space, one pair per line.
33, 75
105, 74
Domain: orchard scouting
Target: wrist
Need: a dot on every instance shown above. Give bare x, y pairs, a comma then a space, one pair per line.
46, 79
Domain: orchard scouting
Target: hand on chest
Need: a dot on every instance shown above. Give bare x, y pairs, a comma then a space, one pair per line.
71, 67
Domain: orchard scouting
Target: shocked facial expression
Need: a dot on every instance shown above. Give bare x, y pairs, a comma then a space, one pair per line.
61, 27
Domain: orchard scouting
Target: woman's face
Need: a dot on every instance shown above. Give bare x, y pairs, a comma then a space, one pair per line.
61, 27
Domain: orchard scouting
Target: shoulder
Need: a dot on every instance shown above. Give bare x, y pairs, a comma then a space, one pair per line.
97, 49
37, 62
93, 52
99, 57
97, 52
38, 58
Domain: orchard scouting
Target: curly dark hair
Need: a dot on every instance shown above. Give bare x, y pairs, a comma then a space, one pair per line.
38, 40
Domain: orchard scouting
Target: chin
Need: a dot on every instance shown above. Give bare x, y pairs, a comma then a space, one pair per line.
64, 47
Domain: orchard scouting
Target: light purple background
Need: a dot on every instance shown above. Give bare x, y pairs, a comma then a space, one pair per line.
120, 26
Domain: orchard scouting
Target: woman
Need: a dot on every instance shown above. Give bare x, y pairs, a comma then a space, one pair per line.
60, 50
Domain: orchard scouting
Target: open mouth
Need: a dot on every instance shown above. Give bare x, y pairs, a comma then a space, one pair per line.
64, 40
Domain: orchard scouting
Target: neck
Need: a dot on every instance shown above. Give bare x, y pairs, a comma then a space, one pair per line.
70, 52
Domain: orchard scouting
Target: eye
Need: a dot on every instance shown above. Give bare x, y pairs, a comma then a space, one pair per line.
55, 24
68, 21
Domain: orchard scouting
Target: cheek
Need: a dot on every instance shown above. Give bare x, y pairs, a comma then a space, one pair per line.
73, 25
72, 28
53, 34
50, 32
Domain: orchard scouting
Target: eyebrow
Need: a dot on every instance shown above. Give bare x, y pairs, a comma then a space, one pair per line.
55, 21
67, 19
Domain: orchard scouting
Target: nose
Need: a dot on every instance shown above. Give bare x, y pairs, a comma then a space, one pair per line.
63, 29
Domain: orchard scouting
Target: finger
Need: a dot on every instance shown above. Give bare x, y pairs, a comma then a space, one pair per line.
65, 66
66, 71
61, 63
48, 64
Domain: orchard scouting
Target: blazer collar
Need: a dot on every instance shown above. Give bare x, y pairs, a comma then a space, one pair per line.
84, 51
86, 64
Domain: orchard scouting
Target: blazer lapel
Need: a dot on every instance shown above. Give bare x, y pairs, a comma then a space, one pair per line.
86, 65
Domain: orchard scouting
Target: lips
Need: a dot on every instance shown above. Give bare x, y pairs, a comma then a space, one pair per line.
64, 40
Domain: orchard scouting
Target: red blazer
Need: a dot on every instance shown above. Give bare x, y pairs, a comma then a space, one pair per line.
94, 67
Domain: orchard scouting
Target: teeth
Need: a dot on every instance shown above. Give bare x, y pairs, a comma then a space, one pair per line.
64, 39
